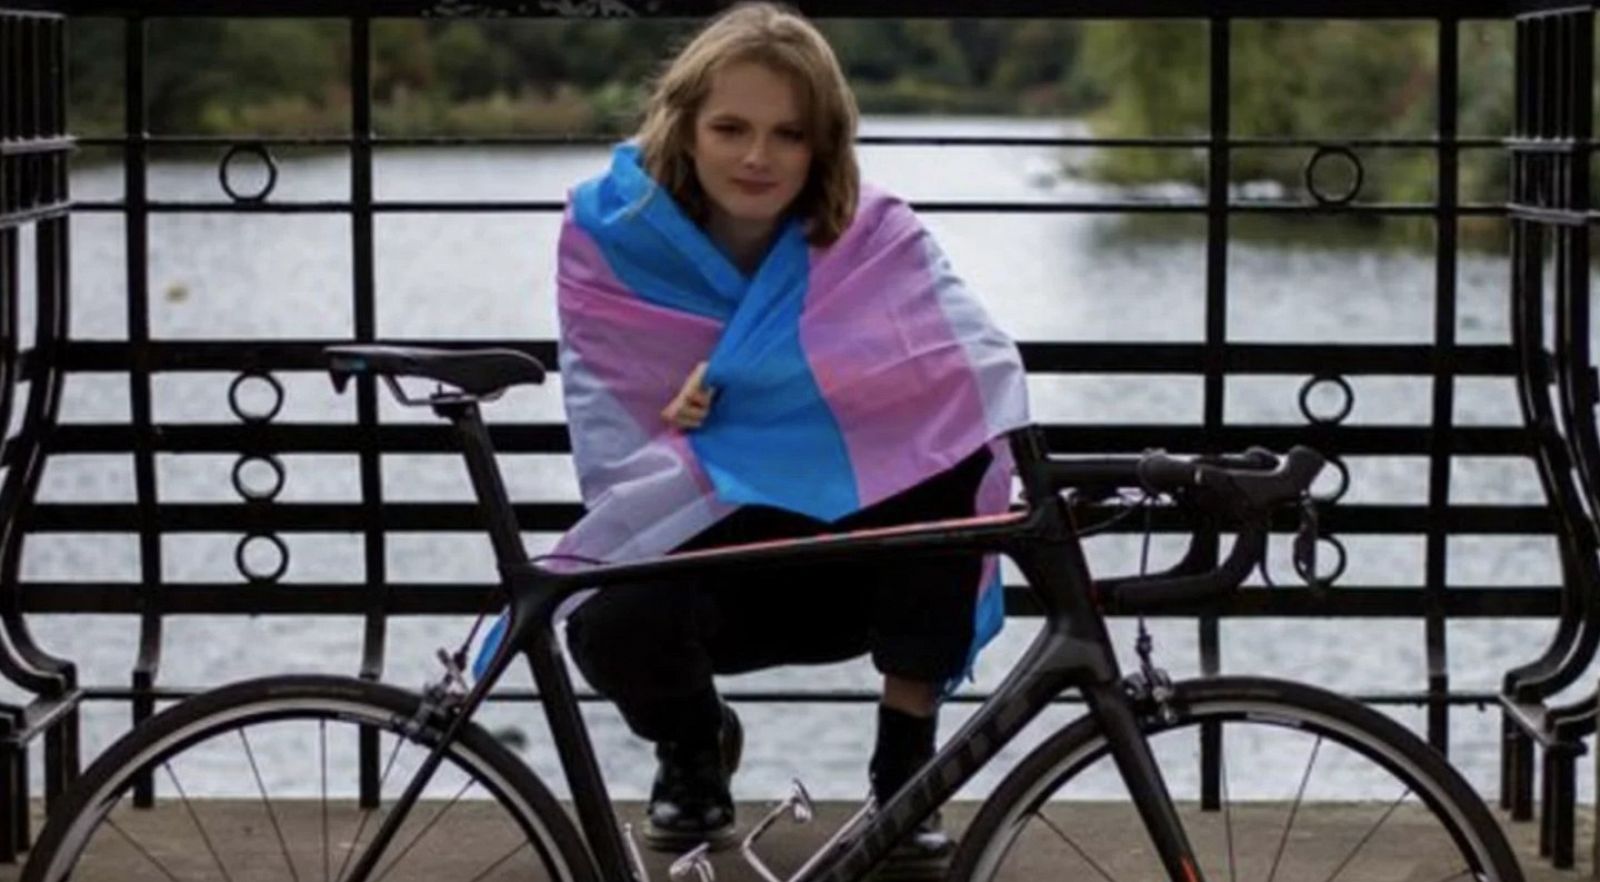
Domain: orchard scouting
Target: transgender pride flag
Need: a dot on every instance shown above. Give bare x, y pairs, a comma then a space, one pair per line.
842, 375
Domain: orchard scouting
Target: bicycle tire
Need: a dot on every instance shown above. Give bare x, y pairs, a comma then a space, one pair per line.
264, 706
1233, 705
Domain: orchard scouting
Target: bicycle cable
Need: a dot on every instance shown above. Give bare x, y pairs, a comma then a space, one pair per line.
1143, 644
459, 658
1127, 507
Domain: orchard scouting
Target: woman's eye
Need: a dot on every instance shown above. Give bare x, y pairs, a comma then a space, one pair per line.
792, 135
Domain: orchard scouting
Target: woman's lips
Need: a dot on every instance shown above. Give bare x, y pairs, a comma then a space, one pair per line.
754, 187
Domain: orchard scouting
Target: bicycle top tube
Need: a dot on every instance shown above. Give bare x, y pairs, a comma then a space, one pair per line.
980, 533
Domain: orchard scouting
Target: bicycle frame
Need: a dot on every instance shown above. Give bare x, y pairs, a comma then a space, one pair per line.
1073, 650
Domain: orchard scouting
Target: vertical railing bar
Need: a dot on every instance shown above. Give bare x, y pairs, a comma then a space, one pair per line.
365, 315
28, 66
137, 234
1536, 72
1575, 351
1218, 176
1587, 395
38, 45
8, 86
1551, 106
9, 90
58, 76
8, 289
28, 82
61, 742
1444, 334
1562, 59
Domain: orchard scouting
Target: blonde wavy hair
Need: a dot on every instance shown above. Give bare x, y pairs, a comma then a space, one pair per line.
784, 41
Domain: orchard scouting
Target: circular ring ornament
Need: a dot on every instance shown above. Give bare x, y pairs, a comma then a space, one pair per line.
224, 172
1340, 557
238, 389
259, 576
1333, 496
1337, 416
1357, 175
253, 492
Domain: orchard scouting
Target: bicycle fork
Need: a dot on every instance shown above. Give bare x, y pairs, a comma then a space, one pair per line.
1082, 649
1114, 711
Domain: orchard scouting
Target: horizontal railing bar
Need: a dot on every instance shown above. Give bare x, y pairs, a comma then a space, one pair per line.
1481, 700
27, 146
34, 9
1445, 10
462, 517
428, 437
78, 356
1342, 440
952, 140
1547, 145
1568, 217
551, 206
467, 599
1040, 357
1541, 8
34, 215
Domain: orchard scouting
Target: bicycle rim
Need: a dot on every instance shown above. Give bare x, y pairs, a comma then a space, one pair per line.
1312, 788
264, 784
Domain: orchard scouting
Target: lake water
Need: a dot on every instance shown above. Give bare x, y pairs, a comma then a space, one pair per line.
488, 275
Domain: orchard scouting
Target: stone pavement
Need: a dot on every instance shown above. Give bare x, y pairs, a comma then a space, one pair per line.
1109, 832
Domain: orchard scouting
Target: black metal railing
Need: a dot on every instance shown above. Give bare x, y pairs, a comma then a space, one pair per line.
1549, 210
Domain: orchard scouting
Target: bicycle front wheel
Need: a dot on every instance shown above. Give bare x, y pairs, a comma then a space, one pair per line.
259, 781
1312, 786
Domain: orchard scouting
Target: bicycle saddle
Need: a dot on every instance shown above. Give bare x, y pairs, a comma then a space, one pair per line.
478, 372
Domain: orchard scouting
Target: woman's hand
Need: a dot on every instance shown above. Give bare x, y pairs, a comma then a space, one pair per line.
688, 410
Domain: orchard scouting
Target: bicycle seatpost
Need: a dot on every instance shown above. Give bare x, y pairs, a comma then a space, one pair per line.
487, 485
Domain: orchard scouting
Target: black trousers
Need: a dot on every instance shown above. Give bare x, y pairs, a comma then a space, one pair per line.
653, 648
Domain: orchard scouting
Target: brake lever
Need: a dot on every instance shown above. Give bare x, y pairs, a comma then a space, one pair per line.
1305, 543
1306, 540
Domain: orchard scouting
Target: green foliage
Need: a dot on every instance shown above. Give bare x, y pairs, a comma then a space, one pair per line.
1325, 80
266, 76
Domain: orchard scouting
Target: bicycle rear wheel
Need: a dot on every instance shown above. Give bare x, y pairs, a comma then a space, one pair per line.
257, 781
1313, 786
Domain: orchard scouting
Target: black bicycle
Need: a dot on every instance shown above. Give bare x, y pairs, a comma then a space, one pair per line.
441, 795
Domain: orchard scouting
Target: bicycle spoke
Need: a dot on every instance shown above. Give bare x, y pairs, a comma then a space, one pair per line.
272, 816
204, 836
1361, 843
424, 831
1295, 809
1227, 807
366, 817
1075, 846
140, 849
503, 858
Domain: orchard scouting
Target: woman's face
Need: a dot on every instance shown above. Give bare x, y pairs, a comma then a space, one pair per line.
751, 151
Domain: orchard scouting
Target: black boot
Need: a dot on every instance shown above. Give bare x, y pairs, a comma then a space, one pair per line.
691, 801
905, 744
